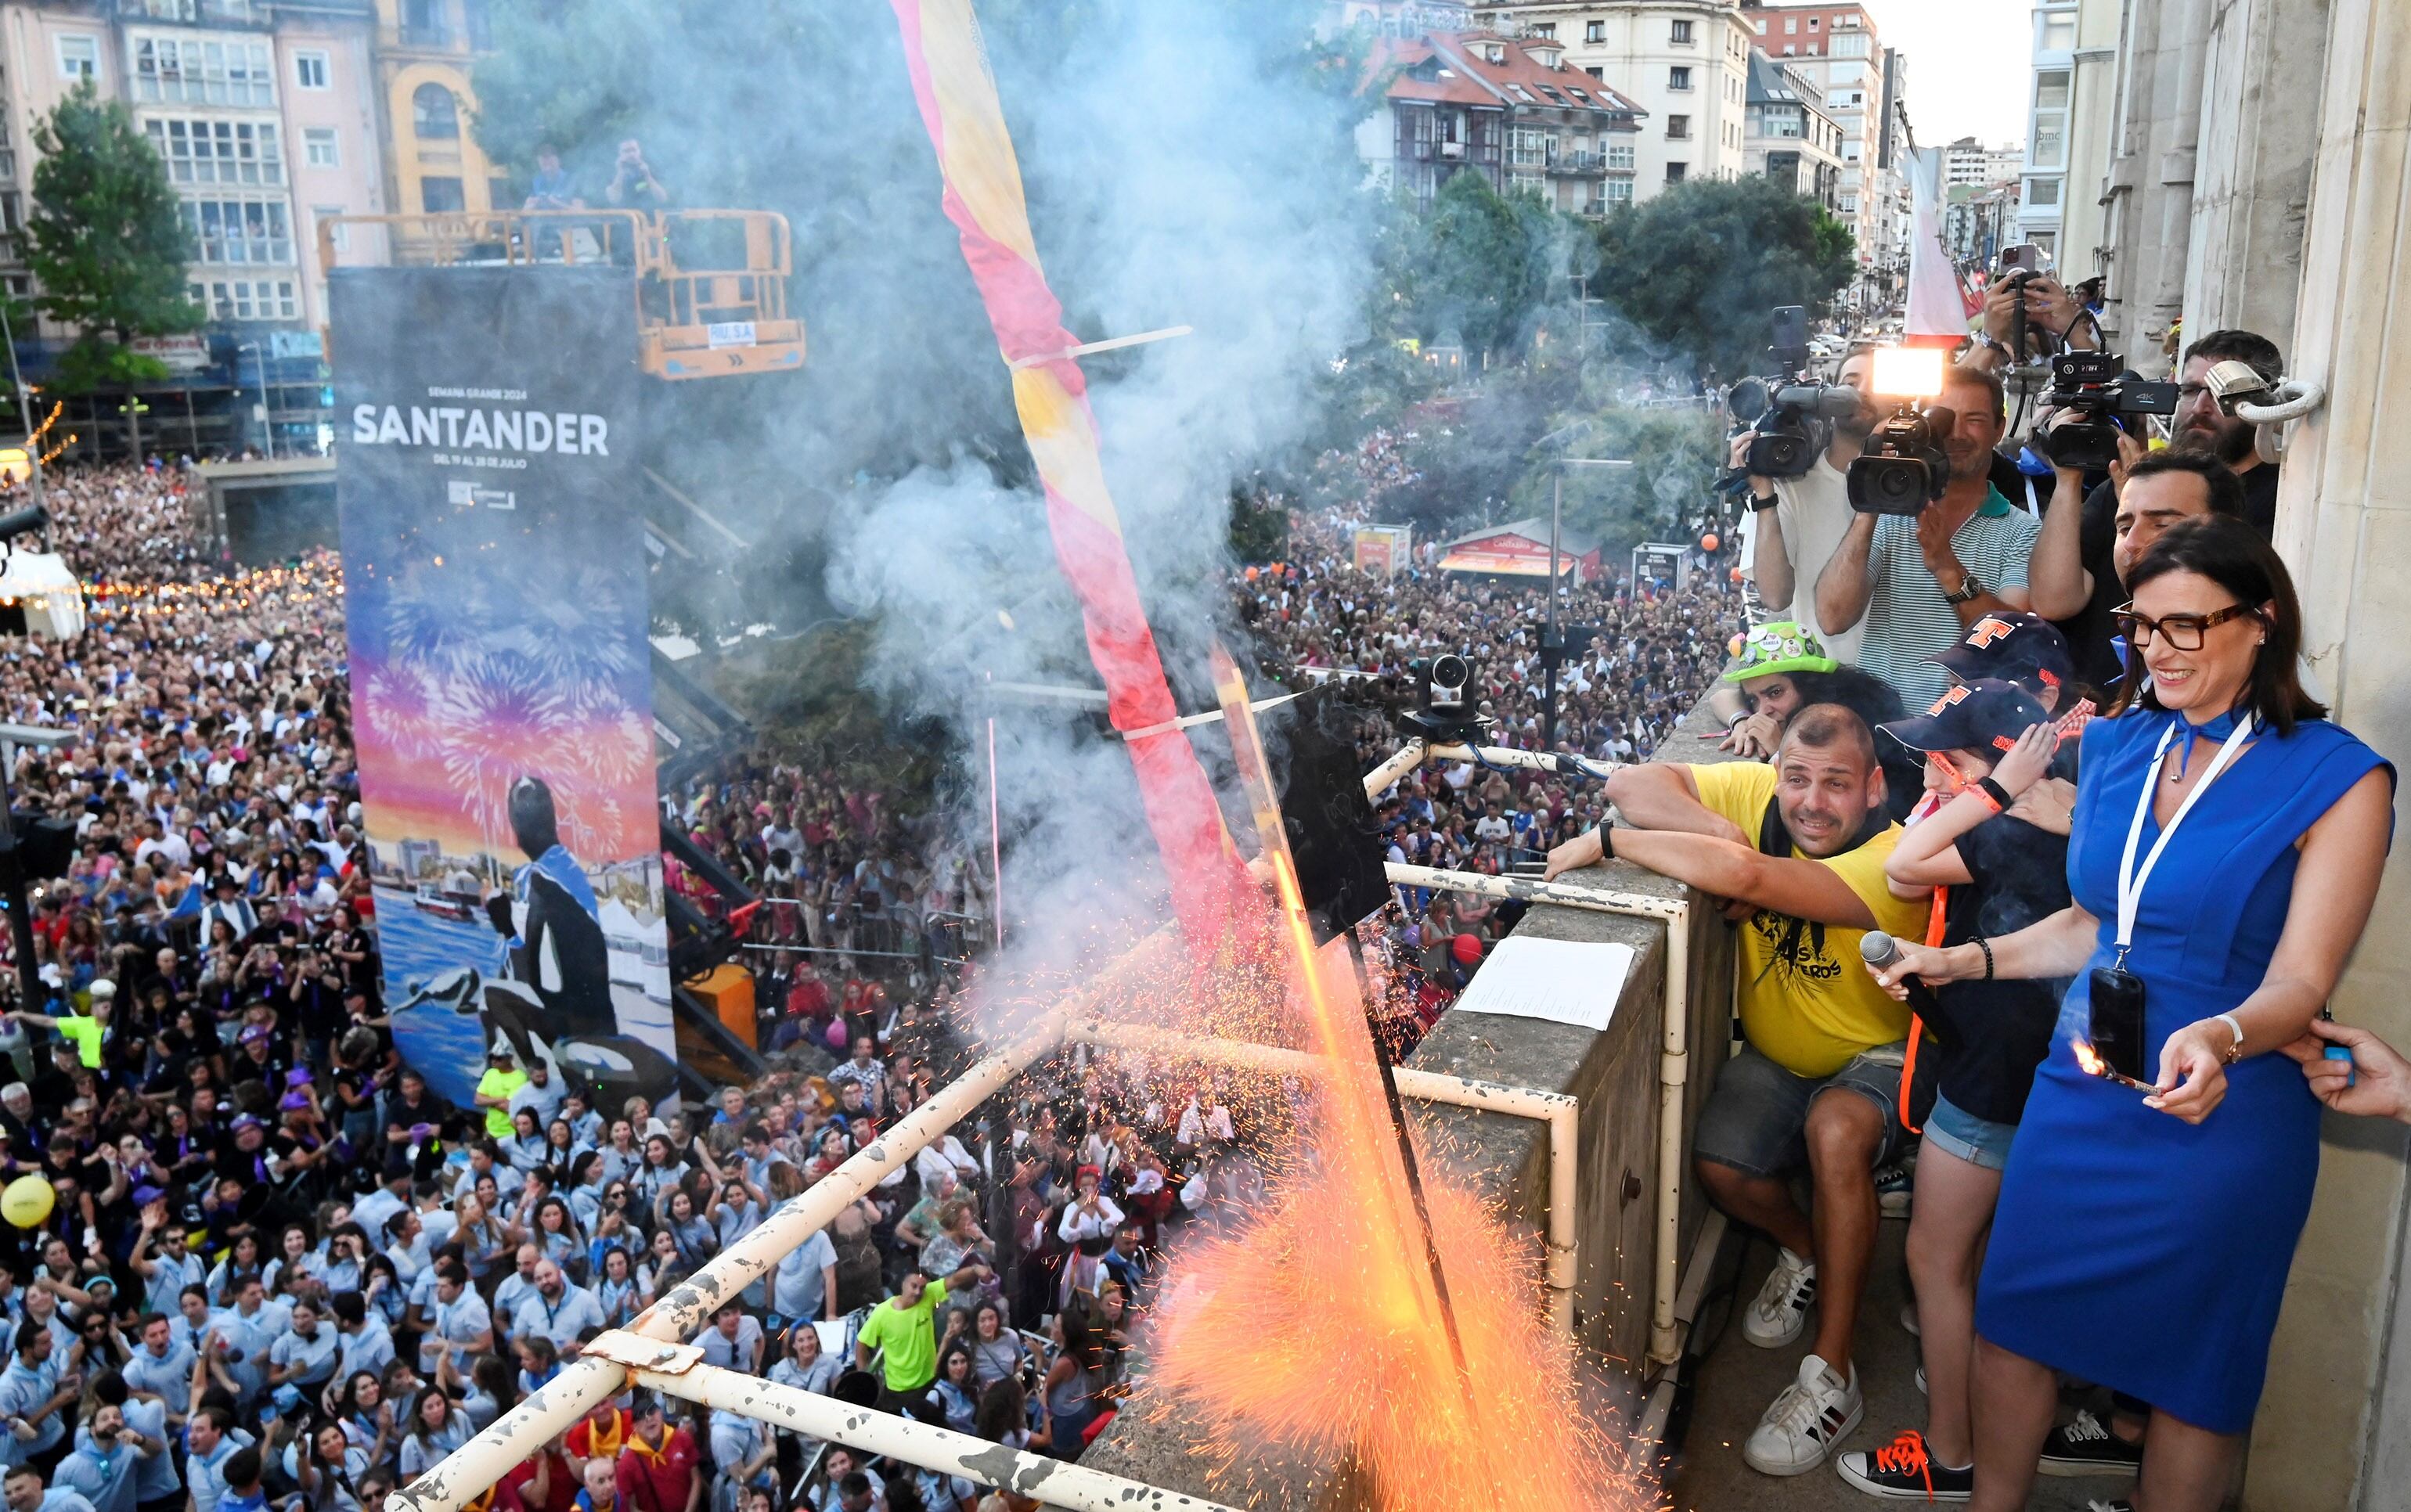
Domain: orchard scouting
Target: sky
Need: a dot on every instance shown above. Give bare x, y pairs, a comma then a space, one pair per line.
1967, 66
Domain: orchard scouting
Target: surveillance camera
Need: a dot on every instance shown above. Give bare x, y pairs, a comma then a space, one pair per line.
2232, 383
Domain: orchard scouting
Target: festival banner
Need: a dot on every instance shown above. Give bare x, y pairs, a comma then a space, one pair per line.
494, 585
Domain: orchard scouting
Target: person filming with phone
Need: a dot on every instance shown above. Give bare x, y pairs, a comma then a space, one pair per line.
2225, 854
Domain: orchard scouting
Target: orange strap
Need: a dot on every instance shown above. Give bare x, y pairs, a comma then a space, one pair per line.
1917, 1025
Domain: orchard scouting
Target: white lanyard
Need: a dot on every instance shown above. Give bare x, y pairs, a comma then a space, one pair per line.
2130, 882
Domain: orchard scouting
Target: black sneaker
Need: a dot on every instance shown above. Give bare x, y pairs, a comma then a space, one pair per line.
1901, 1471
2088, 1447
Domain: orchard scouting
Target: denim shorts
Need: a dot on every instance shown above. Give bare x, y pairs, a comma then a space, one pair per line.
1980, 1142
1756, 1119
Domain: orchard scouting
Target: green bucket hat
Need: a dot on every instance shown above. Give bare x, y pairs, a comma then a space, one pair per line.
1778, 646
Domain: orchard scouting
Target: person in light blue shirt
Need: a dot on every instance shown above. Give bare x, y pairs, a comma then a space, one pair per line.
556, 1311
305, 1356
457, 1321
30, 1397
804, 1285
161, 1368
361, 1341
210, 1439
27, 1494
583, 1121
162, 1260
105, 1461
518, 1286
154, 1477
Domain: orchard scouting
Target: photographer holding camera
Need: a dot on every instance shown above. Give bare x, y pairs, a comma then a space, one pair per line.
1914, 583
1798, 521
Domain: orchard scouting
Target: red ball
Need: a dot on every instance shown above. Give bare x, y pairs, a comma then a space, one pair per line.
1708, 541
1467, 948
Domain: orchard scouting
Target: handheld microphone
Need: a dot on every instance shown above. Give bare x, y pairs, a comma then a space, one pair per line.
1877, 949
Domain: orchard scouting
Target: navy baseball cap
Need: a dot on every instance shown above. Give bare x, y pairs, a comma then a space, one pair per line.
1987, 715
2023, 649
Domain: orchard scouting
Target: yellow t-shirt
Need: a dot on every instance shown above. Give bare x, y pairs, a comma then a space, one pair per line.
502, 1084
1808, 1003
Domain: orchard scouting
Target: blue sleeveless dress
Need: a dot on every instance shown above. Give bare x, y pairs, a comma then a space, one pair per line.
2130, 1248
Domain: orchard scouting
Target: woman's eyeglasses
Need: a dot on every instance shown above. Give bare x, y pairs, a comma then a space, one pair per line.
2183, 631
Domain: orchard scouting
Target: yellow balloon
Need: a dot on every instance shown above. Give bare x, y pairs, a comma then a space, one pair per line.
27, 1200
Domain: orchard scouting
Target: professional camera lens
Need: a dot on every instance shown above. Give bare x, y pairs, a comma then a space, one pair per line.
1780, 456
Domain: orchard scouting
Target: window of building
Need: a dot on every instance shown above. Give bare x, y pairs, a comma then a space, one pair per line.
249, 300
21, 285
239, 230
435, 114
191, 71
2050, 89
218, 151
2059, 30
1853, 45
1620, 154
1850, 204
1598, 73
1546, 31
320, 148
423, 25
12, 212
479, 24
1595, 31
1761, 24
1528, 149
338, 233
1678, 77
440, 195
1791, 25
1681, 35
1678, 127
2048, 140
79, 55
1675, 172
1620, 191
1812, 23
310, 70
1790, 50
2042, 192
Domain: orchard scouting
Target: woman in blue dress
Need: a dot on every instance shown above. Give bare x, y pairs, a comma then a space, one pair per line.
2143, 1237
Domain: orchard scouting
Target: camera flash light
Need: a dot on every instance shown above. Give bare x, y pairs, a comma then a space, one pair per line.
1908, 371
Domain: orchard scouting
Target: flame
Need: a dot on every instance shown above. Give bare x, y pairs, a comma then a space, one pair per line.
2089, 1060
1318, 1326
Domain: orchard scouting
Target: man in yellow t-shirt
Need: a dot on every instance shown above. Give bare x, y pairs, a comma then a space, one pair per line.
1798, 847
493, 1092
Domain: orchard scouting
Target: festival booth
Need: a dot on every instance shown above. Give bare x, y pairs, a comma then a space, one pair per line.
38, 585
1520, 549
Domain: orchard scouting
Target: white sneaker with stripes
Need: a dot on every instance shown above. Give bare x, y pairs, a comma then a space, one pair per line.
1780, 1312
1810, 1416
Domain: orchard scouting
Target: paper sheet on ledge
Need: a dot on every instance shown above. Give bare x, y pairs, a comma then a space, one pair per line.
1564, 980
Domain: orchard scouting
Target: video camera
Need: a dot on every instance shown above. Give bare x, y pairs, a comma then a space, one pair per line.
1779, 408
1447, 713
2097, 388
1904, 466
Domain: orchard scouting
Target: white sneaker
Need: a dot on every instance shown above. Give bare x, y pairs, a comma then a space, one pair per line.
1908, 1319
1780, 1310
1920, 1382
1810, 1416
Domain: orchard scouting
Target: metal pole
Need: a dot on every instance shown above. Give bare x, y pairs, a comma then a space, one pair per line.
1552, 649
12, 878
1055, 1483
267, 415
25, 403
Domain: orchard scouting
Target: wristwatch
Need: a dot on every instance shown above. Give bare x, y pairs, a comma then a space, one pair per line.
1969, 591
1763, 502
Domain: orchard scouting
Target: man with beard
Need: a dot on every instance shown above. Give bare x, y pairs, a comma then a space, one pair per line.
1799, 846
1915, 585
1797, 522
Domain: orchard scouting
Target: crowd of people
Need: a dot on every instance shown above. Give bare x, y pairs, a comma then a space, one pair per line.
2074, 959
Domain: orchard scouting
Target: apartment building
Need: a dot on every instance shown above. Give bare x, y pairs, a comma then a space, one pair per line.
1683, 64
1836, 47
425, 48
1788, 137
1508, 108
264, 114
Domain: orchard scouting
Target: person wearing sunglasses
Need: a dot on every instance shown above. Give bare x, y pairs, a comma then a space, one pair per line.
1999, 862
2226, 854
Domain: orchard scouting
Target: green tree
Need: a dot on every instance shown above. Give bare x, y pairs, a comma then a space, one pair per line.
107, 245
1697, 268
1478, 266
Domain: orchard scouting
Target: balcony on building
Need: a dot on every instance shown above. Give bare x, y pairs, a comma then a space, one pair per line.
219, 15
